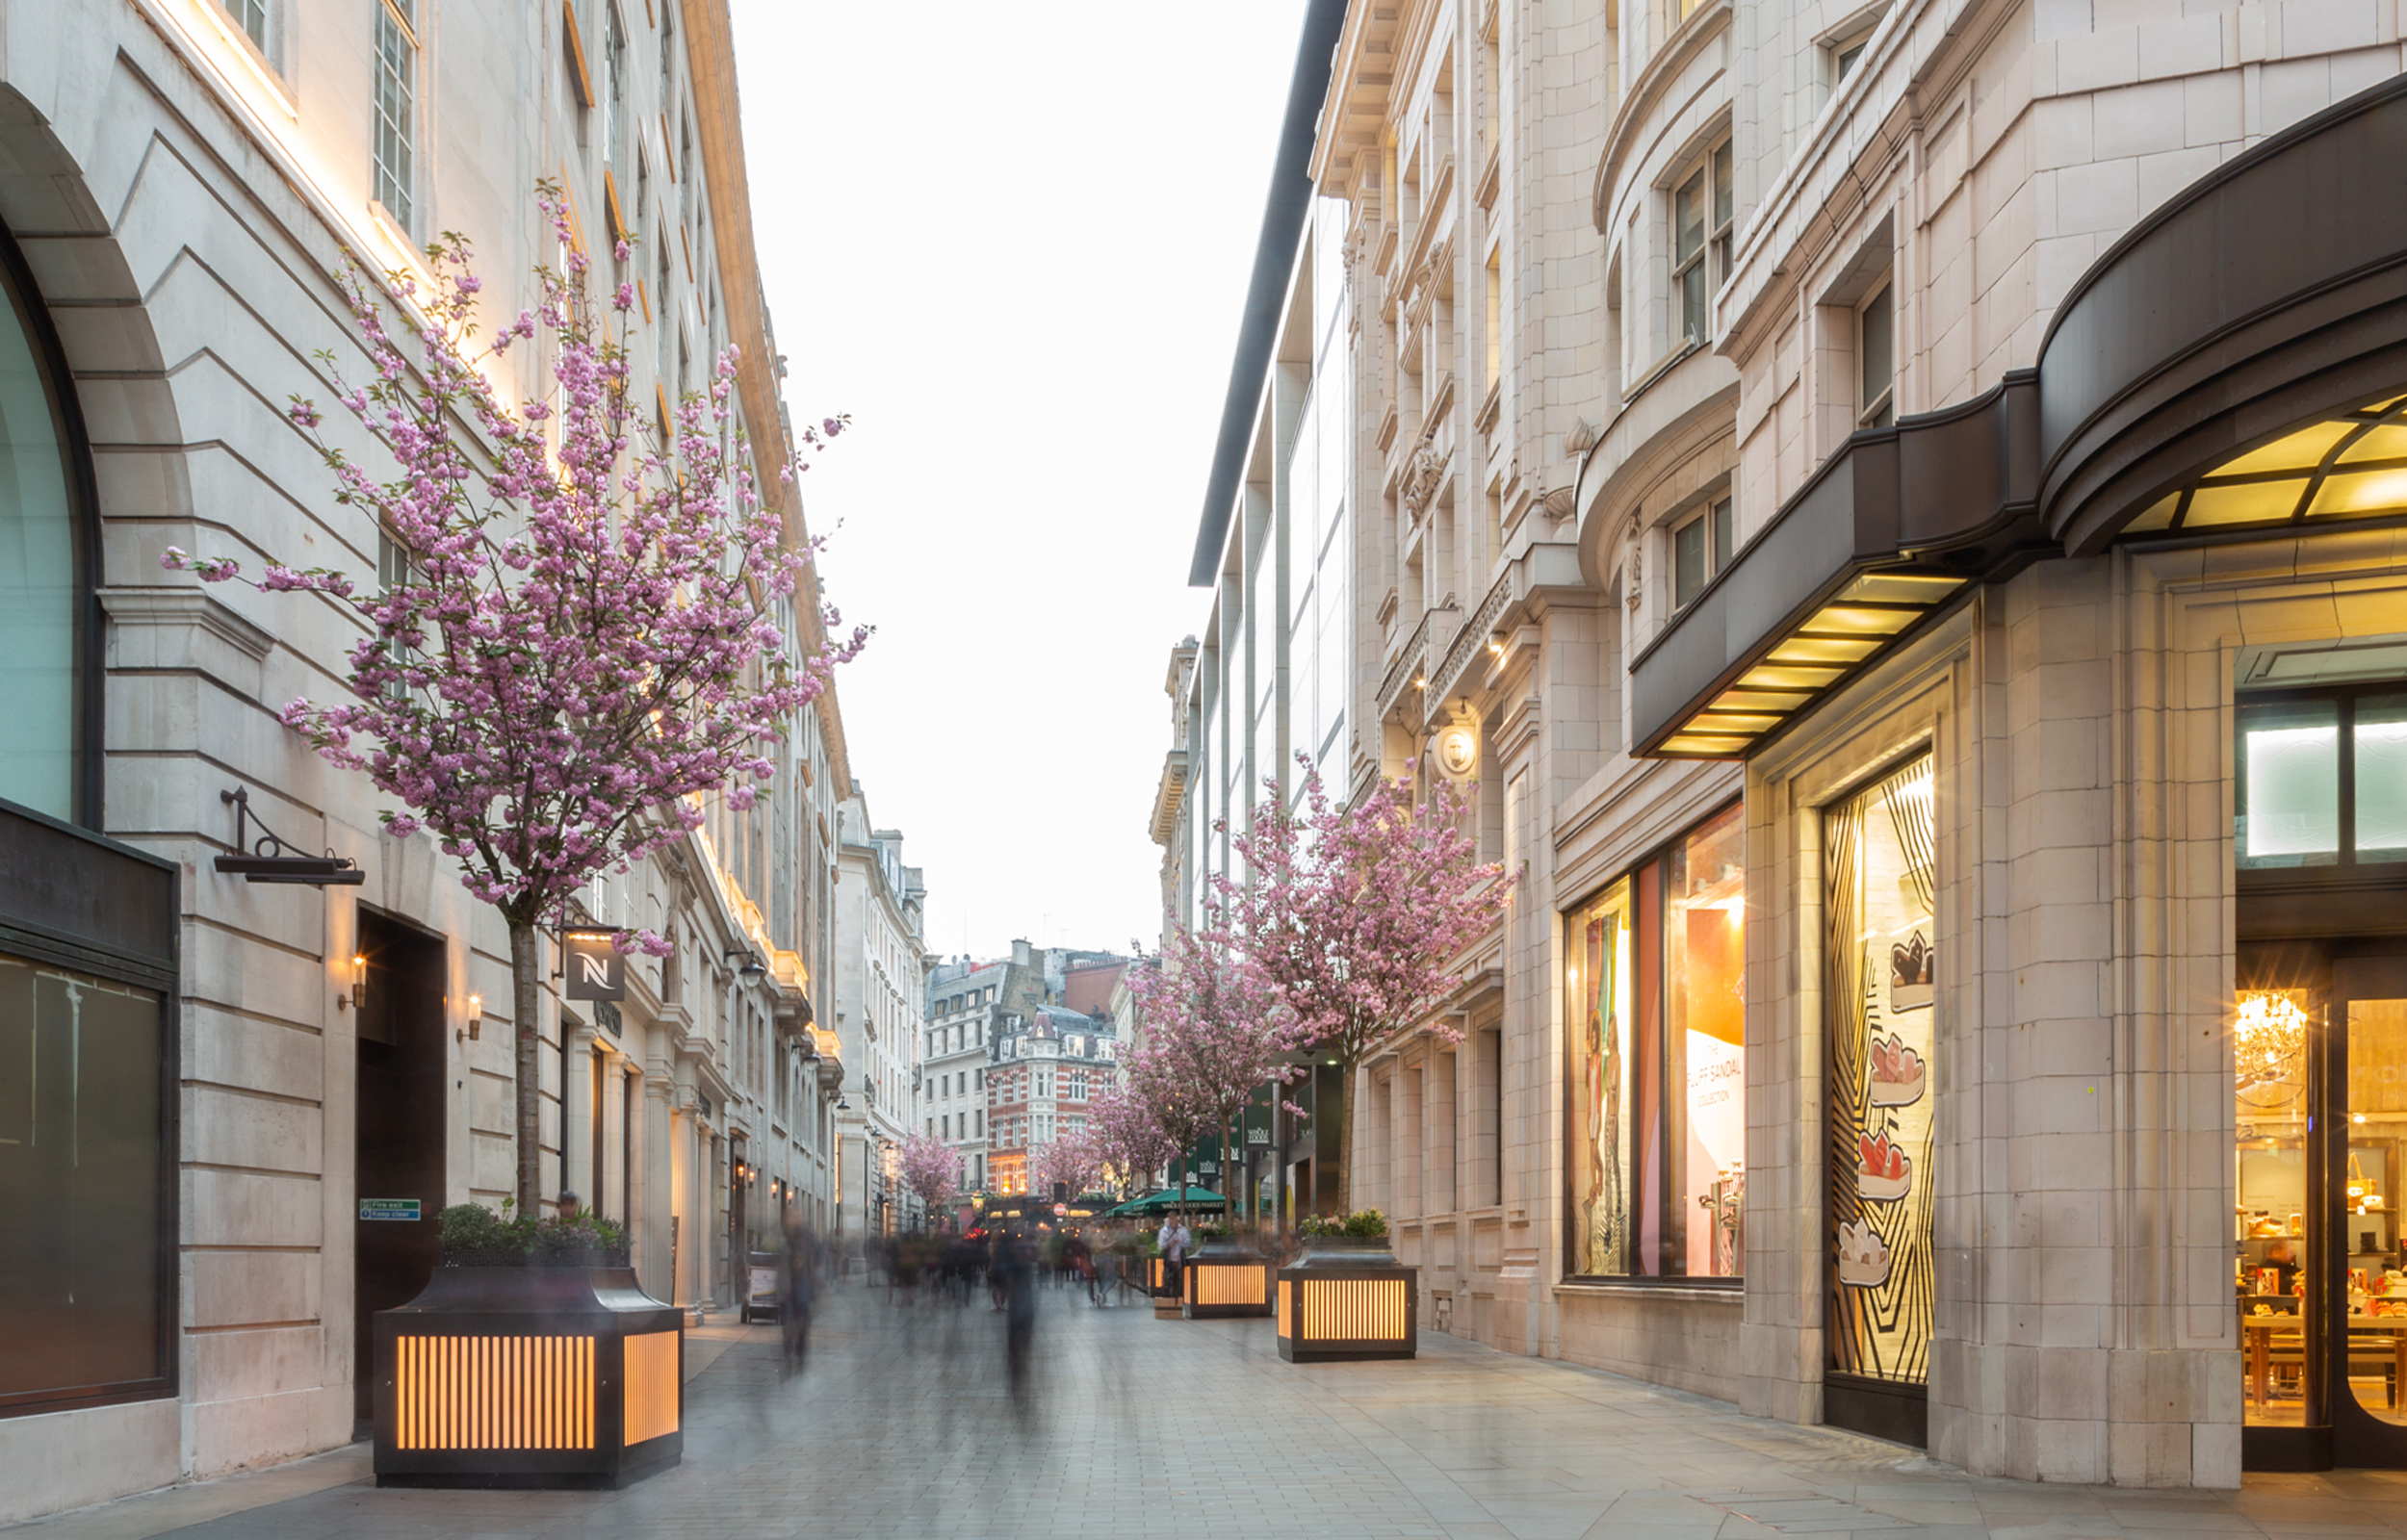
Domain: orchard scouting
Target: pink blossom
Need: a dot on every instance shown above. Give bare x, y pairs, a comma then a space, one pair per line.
585, 640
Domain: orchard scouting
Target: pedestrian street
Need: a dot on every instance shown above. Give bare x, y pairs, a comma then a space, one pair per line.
904, 1423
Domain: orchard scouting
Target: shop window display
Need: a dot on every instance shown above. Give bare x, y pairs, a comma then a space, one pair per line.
1881, 959
1658, 1073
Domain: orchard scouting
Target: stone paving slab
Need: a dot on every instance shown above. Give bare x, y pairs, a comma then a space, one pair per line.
904, 1425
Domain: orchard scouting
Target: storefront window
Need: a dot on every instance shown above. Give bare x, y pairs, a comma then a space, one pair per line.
1705, 999
40, 586
2321, 779
2381, 743
1601, 1079
1658, 1165
1880, 962
80, 1154
2289, 783
2273, 1264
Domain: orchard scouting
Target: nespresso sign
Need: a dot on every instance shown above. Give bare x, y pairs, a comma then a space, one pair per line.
597, 971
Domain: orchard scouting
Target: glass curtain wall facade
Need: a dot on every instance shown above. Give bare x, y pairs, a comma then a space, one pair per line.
1320, 551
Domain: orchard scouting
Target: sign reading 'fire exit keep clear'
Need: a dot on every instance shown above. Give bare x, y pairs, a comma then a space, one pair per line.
388, 1208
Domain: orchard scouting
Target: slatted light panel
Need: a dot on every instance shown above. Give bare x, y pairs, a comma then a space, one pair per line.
1811, 659
1226, 1284
495, 1392
1354, 1309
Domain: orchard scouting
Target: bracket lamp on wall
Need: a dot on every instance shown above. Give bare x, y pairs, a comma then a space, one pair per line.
355, 993
753, 967
476, 1016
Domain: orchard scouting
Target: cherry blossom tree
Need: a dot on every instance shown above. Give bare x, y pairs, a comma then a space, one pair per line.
1215, 1028
1357, 917
1127, 1137
930, 1167
595, 627
1072, 1160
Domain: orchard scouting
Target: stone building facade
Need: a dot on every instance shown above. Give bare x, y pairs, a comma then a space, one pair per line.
1896, 506
880, 984
952, 1070
184, 182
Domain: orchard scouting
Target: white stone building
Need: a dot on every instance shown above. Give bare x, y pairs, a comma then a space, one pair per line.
183, 181
880, 990
961, 1012
1920, 474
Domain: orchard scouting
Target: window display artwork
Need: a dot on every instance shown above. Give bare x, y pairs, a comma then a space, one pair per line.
1600, 1167
1881, 958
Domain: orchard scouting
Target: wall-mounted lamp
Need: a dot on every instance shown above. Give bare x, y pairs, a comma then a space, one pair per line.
357, 994
753, 967
476, 1016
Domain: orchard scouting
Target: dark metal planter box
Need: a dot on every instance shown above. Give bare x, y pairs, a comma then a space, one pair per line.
1348, 1303
1224, 1281
528, 1377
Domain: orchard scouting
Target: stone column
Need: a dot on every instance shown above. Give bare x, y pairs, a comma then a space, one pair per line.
576, 1172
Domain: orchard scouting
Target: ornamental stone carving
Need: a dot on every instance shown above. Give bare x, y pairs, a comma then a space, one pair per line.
1421, 477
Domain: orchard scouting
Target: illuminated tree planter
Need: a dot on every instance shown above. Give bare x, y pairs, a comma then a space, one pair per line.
1223, 1281
1335, 1305
528, 1377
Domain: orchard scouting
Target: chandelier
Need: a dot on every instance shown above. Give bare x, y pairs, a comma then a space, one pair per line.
2268, 1049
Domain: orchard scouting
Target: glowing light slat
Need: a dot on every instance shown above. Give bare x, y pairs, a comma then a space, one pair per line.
494, 1393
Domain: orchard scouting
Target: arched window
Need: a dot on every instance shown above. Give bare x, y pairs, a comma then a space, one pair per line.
43, 589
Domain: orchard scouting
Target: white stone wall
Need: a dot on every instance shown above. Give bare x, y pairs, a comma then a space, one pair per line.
186, 203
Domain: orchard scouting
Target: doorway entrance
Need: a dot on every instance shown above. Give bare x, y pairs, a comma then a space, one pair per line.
2319, 1048
397, 1158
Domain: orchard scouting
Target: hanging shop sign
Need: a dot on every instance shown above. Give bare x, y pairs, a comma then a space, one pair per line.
597, 971
267, 859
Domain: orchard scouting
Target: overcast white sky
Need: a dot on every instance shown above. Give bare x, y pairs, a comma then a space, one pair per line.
1012, 242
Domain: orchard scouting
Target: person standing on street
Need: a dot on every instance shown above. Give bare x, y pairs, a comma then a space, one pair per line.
802, 1263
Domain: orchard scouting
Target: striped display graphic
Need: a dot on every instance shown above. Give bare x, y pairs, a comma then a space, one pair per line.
1352, 1310
493, 1393
1210, 1285
1287, 1308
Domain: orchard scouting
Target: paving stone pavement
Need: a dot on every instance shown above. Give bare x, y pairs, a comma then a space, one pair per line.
904, 1426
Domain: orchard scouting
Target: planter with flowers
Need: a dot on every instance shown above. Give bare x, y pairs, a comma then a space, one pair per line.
533, 1358
1347, 1297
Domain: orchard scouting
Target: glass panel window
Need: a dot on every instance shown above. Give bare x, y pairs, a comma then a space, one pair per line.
1880, 961
2381, 778
40, 582
395, 93
1657, 1064
2271, 1264
1705, 1036
251, 15
1688, 561
79, 1182
1699, 549
1876, 337
1603, 1052
1688, 246
2377, 1284
2289, 784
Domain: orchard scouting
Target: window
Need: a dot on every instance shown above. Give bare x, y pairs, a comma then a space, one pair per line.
1701, 211
43, 645
251, 15
1844, 58
1700, 548
1658, 1070
1879, 899
1876, 359
613, 87
2299, 801
396, 72
81, 1192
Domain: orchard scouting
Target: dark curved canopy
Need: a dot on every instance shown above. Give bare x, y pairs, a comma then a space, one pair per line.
2235, 365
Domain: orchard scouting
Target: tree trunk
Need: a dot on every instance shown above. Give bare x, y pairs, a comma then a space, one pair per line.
1345, 1141
522, 981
